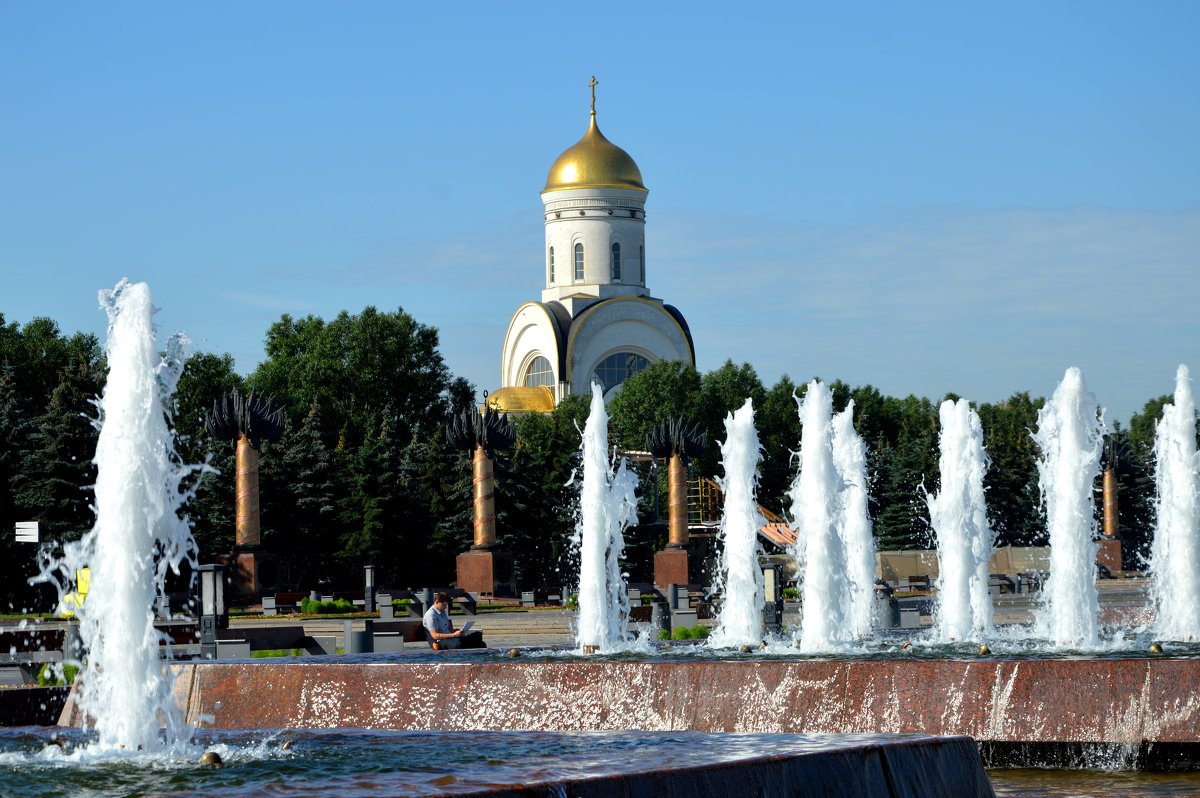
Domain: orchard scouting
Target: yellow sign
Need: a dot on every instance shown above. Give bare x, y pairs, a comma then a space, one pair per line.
75, 599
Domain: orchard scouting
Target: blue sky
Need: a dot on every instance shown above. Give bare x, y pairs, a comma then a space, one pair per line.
927, 197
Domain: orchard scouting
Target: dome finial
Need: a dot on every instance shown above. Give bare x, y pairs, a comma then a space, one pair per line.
594, 83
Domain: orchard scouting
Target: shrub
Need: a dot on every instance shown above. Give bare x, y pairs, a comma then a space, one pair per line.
51, 675
791, 593
276, 652
310, 606
697, 632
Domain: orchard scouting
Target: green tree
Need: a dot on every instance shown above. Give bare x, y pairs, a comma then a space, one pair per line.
1144, 424
301, 502
356, 365
15, 565
536, 496
54, 483
722, 391
663, 390
1136, 481
1011, 482
779, 432
205, 379
906, 466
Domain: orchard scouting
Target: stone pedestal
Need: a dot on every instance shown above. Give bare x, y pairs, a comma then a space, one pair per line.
253, 572
671, 567
1110, 554
485, 571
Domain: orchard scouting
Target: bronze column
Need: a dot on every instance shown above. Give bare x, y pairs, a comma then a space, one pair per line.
485, 500
248, 531
1111, 527
677, 531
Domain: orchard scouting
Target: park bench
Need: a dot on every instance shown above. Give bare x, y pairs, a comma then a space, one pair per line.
464, 600
533, 598
30, 646
999, 584
280, 602
917, 583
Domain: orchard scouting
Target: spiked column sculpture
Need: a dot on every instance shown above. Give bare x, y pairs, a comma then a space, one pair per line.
482, 569
676, 440
1115, 453
248, 421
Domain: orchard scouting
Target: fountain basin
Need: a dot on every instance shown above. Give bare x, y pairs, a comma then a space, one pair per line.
360, 762
1131, 702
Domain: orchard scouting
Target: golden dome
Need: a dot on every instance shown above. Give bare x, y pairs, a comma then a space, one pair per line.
521, 399
594, 162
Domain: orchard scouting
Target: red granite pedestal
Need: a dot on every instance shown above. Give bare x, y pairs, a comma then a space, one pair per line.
485, 571
1110, 554
253, 572
671, 567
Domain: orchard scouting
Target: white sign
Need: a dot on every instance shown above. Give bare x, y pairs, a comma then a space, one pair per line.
27, 531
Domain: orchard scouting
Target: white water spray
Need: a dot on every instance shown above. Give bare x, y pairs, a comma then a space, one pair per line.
1070, 435
815, 507
124, 688
850, 458
608, 504
958, 514
741, 618
1175, 554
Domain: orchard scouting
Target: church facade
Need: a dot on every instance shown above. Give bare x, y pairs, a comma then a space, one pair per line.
596, 320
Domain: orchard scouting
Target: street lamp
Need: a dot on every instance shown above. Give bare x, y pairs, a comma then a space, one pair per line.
369, 588
213, 615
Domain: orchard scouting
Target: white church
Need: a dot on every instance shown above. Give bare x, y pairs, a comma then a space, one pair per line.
596, 321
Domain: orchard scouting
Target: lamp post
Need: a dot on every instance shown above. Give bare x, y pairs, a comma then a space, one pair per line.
212, 608
369, 588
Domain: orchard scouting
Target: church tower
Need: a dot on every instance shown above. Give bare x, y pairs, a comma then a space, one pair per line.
596, 320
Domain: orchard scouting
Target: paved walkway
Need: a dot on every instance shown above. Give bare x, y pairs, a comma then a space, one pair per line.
536, 628
1121, 601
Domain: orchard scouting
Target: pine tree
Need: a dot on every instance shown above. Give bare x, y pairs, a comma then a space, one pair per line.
57, 472
15, 558
300, 503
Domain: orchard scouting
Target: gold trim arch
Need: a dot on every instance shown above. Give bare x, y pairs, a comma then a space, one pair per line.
526, 338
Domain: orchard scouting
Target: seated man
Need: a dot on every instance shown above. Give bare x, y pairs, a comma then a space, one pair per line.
440, 632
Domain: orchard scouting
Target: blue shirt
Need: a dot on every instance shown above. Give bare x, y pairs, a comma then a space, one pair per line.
437, 621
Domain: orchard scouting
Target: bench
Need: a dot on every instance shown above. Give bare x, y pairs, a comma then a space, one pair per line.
533, 598
273, 605
466, 601
410, 631
1001, 583
28, 646
918, 582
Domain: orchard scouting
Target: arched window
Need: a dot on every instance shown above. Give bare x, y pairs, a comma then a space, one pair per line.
578, 262
616, 261
551, 265
615, 369
539, 373
642, 263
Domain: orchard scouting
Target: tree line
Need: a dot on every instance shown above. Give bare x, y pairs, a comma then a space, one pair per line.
363, 472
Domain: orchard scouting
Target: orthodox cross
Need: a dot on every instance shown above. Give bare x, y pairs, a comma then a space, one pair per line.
593, 85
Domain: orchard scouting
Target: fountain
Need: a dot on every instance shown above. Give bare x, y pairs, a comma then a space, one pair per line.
850, 459
740, 622
608, 504
816, 500
1175, 557
1136, 703
959, 518
126, 692
1070, 435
